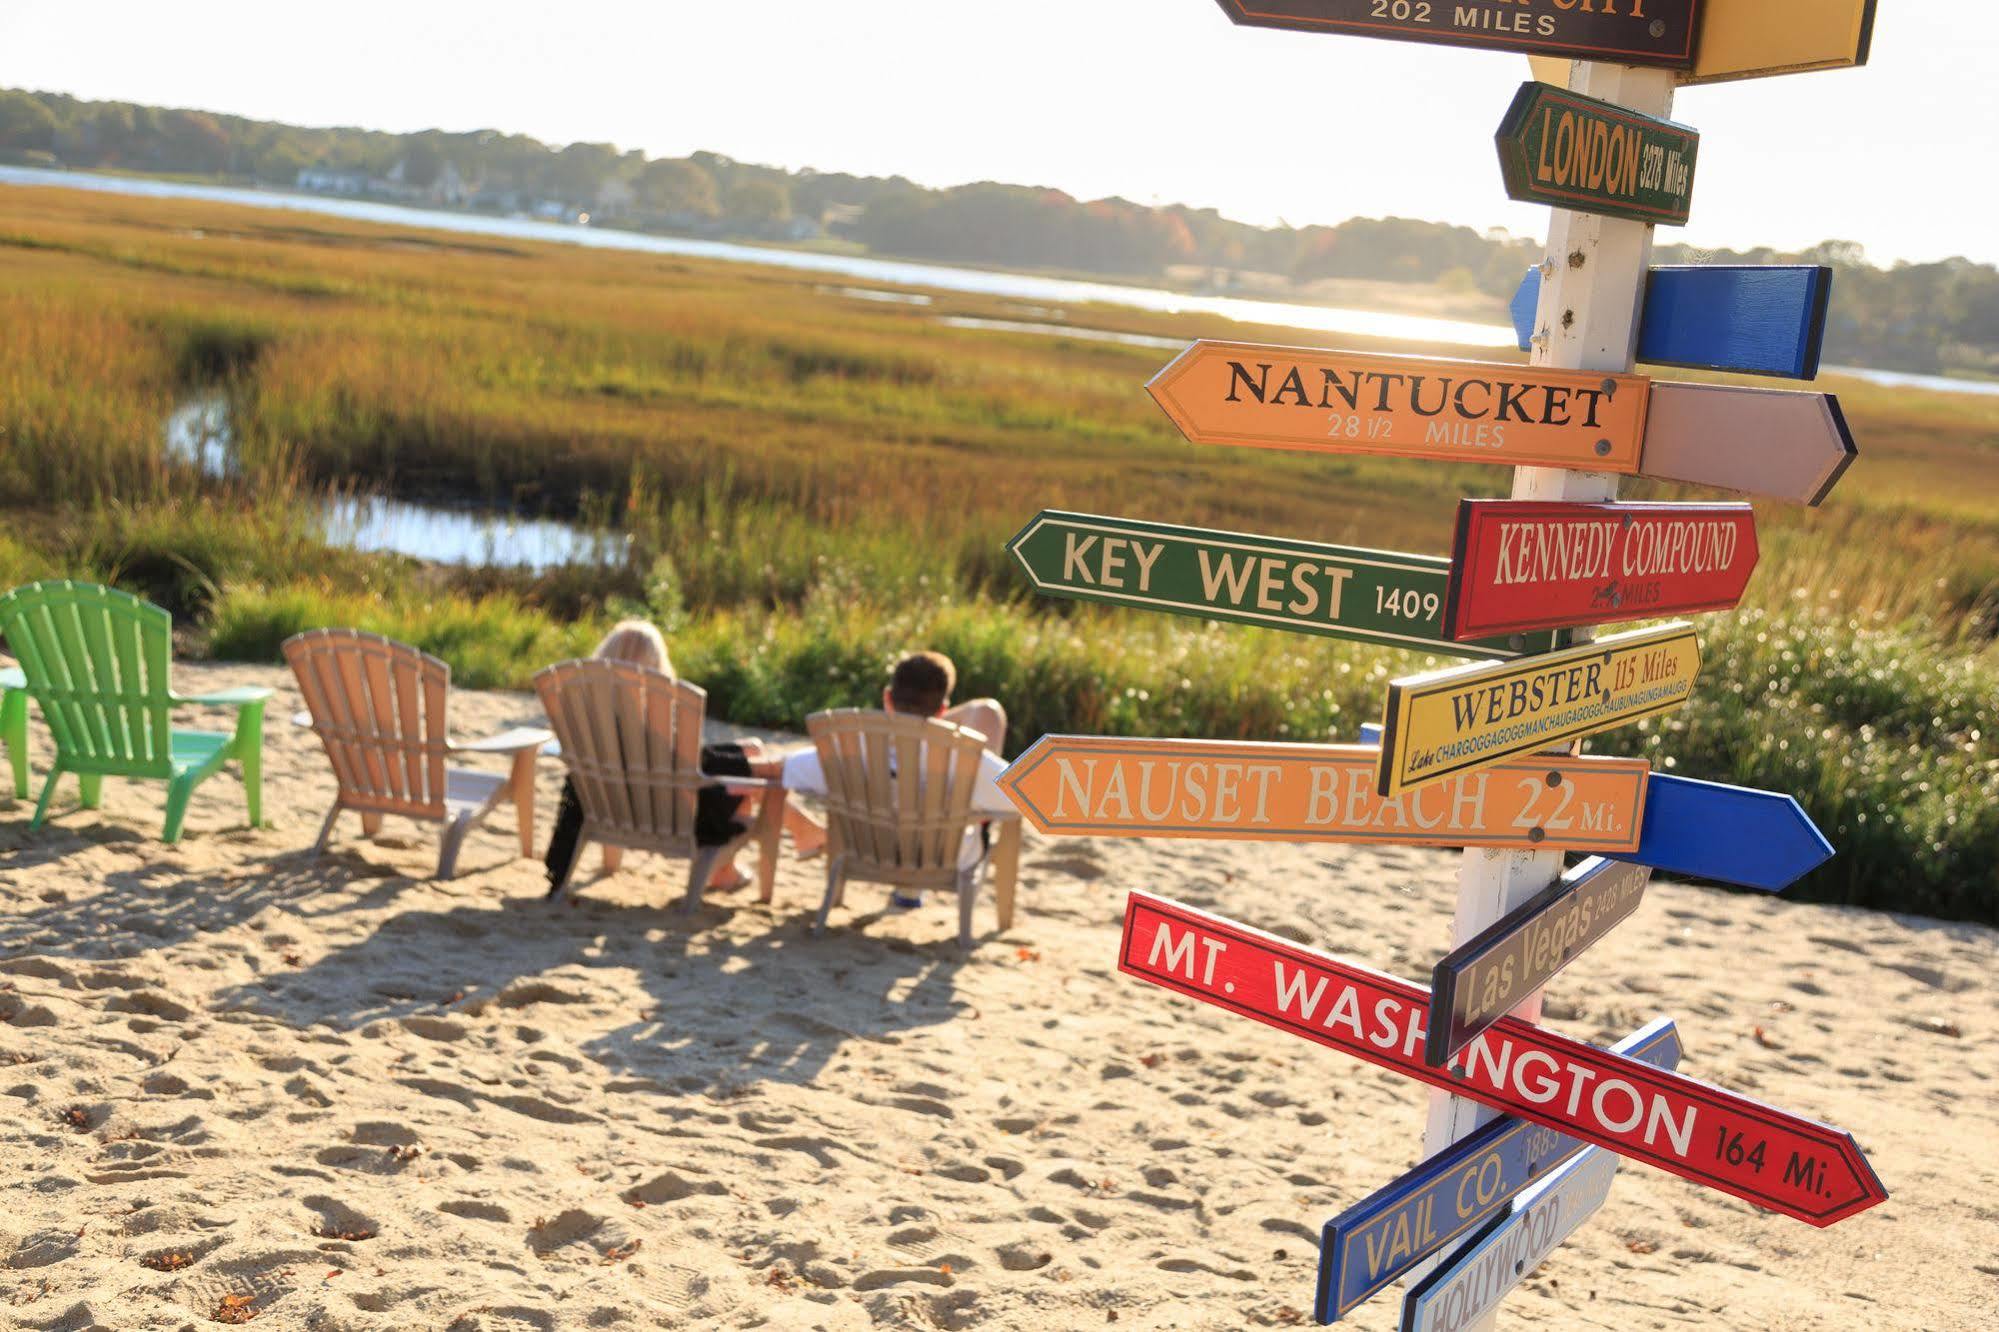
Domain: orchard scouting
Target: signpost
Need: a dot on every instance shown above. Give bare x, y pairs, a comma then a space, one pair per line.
1231, 790
1463, 718
1762, 1155
1569, 151
1647, 32
1749, 319
1479, 982
1251, 396
1518, 565
1369, 596
1777, 443
1731, 834
1473, 1281
1381, 1238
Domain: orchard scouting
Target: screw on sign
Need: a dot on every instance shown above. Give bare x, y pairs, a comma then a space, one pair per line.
1381, 1238
1700, 1132
1368, 596
1312, 401
1519, 565
1235, 790
1630, 32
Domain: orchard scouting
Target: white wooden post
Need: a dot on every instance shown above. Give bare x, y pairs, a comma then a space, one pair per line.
1592, 284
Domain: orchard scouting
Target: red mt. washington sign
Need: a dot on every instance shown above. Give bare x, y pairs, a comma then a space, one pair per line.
1692, 1129
1519, 564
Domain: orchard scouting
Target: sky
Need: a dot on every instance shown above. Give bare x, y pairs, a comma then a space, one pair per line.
1160, 101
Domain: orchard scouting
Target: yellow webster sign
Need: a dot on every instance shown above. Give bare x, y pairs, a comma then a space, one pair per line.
1468, 717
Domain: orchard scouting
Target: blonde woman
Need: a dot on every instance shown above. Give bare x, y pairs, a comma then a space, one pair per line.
717, 810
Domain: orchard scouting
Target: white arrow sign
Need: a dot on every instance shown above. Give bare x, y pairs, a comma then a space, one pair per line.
1471, 1283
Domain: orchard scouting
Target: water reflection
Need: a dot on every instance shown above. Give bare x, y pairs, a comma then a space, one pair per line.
198, 434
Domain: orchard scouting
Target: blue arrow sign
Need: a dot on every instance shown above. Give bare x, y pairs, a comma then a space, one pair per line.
1710, 830
1752, 319
1731, 834
1385, 1235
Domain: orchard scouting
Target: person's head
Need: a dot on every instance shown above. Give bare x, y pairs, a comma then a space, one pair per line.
638, 642
921, 685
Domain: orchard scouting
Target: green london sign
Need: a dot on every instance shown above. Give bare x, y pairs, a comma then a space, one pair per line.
1369, 596
1569, 151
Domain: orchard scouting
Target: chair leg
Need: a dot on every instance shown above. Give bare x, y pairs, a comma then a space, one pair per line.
447, 853
769, 835
178, 791
836, 884
14, 734
968, 896
704, 864
522, 783
42, 805
326, 828
90, 789
614, 857
249, 747
371, 822
1006, 871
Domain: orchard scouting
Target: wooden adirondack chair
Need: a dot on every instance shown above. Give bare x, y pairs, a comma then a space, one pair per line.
378, 706
99, 661
898, 805
632, 740
14, 726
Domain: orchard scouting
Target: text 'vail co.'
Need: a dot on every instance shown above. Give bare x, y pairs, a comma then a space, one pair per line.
1527, 1125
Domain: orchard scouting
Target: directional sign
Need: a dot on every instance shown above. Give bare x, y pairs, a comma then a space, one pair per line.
1689, 1128
1731, 834
1379, 1239
1647, 32
1750, 319
1251, 396
1485, 978
1569, 151
1230, 790
1777, 443
1370, 596
1474, 1280
1749, 39
1462, 718
1522, 564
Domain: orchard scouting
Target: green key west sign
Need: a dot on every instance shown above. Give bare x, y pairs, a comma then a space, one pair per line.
1370, 596
1569, 151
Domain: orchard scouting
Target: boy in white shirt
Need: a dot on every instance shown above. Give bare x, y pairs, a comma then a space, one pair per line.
920, 686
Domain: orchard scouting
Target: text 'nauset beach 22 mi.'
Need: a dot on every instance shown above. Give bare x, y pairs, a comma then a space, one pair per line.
1526, 1125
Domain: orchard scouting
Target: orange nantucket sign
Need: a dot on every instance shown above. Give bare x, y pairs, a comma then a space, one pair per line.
1404, 406
1239, 791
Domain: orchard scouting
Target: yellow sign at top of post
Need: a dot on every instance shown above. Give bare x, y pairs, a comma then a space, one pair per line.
1754, 39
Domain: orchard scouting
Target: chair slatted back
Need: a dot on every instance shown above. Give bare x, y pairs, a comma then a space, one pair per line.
898, 791
631, 738
99, 662
378, 706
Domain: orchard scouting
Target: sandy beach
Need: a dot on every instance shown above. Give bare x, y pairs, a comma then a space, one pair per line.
247, 1085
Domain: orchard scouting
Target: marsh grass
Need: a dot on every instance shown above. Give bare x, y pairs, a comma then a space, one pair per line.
814, 483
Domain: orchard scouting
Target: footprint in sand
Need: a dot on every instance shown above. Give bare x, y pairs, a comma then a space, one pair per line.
331, 1219
671, 1187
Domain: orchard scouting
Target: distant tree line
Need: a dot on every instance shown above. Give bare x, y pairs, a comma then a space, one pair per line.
1923, 317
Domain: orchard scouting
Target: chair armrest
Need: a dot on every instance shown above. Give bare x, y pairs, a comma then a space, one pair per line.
226, 698
11, 677
506, 742
748, 783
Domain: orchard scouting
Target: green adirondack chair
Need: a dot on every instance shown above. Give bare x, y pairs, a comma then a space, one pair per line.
98, 660
14, 726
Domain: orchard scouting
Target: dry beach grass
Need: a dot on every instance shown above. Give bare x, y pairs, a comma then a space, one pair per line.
246, 1085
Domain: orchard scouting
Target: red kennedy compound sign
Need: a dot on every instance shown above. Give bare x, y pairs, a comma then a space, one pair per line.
1776, 1160
1519, 564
